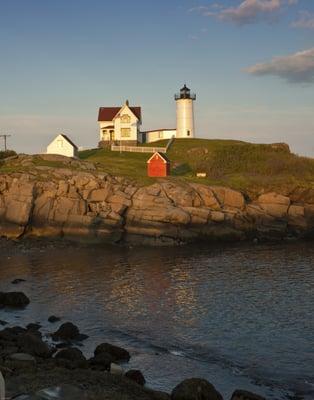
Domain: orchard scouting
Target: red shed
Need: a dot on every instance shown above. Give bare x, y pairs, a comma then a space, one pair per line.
158, 165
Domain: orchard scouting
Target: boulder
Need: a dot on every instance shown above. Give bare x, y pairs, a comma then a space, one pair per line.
217, 216
101, 361
195, 389
53, 319
23, 357
13, 299
244, 395
98, 195
117, 353
274, 204
207, 196
136, 376
72, 354
11, 334
116, 369
71, 358
296, 216
33, 327
68, 331
32, 344
62, 392
229, 198
17, 280
2, 387
181, 195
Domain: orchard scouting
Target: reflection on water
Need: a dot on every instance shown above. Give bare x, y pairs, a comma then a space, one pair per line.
240, 316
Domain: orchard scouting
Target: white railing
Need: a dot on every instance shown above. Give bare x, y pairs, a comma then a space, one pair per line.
170, 143
139, 149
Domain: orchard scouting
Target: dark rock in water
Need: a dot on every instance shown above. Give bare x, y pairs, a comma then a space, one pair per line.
34, 328
53, 319
244, 395
63, 345
117, 353
68, 331
136, 376
195, 389
101, 362
3, 323
18, 280
71, 358
13, 299
81, 337
11, 334
32, 344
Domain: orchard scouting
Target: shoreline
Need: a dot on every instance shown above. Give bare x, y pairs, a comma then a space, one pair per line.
31, 367
23, 319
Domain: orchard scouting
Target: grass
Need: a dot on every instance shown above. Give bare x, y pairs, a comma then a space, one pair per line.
237, 164
240, 165
132, 165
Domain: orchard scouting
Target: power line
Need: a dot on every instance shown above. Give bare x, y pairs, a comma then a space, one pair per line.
5, 140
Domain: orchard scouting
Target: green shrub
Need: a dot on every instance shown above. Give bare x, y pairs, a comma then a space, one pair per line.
6, 154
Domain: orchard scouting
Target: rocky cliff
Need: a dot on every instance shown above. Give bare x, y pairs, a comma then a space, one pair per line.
87, 204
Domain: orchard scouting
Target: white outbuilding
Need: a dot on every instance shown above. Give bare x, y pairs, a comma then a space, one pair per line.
63, 146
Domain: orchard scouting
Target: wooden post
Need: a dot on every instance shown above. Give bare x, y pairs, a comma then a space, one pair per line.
5, 141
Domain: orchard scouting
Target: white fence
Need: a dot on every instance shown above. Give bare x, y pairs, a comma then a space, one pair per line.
139, 149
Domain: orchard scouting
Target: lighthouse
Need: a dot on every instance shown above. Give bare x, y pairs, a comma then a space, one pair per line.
185, 113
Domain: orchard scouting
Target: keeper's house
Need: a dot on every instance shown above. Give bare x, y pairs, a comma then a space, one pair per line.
119, 125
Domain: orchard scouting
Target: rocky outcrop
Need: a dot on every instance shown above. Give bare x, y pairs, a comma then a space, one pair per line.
68, 332
195, 389
116, 353
87, 204
13, 299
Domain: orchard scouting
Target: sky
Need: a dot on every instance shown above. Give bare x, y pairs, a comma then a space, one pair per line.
250, 63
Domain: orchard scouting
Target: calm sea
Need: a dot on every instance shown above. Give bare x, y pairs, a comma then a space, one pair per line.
240, 316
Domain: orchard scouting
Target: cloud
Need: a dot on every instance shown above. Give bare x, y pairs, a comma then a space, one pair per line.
305, 21
247, 12
295, 68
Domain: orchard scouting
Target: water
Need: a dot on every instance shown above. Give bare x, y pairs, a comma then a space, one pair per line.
240, 316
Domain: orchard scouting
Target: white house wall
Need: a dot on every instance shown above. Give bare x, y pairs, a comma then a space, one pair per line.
133, 125
153, 136
62, 147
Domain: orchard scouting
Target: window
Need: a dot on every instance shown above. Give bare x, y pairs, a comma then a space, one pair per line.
60, 144
188, 133
125, 119
160, 135
125, 132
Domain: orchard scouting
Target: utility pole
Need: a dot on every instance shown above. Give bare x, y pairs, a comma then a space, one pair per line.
5, 140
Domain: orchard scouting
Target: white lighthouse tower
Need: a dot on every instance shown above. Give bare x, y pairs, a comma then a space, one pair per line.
185, 113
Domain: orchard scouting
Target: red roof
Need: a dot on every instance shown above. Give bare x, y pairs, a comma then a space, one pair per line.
108, 113
161, 156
